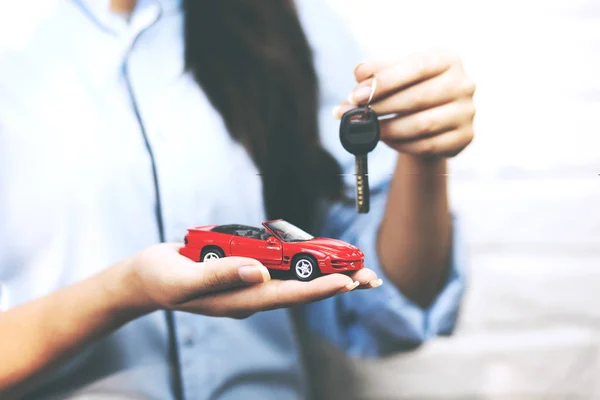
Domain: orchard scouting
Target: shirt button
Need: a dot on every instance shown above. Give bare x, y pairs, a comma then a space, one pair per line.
188, 337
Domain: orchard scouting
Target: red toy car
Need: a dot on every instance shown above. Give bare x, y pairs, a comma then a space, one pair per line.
279, 245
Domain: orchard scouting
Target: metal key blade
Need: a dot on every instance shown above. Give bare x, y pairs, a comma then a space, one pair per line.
362, 184
359, 134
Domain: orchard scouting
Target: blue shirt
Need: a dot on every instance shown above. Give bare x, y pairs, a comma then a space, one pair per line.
79, 88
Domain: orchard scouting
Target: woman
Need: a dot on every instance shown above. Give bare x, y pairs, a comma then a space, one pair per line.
123, 124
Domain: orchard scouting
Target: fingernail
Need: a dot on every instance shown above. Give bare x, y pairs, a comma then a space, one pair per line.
254, 274
342, 109
352, 286
375, 283
360, 95
336, 112
357, 67
351, 99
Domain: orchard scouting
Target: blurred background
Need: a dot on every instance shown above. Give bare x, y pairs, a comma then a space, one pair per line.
528, 193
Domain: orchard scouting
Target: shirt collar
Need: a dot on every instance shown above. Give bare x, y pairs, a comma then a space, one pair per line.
146, 12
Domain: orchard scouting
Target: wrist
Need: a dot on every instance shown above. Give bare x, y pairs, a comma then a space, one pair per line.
416, 165
126, 300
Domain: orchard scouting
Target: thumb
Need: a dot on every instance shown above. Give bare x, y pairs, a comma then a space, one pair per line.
197, 279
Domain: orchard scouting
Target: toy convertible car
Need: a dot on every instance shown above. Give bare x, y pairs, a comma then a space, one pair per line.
279, 245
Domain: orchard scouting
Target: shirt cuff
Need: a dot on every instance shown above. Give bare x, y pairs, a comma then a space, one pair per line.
386, 321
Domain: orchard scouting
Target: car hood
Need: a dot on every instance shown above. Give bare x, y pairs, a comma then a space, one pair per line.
335, 248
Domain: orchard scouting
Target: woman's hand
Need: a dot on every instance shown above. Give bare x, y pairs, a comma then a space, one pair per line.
160, 278
427, 110
48, 330
428, 97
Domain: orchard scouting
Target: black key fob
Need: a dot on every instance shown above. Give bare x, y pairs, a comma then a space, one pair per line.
359, 134
359, 130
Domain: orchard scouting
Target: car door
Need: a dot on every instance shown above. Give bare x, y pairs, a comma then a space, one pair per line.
269, 253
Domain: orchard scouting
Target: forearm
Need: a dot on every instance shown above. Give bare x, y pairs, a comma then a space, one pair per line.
44, 332
415, 235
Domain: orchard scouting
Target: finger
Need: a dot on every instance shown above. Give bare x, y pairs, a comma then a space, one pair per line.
366, 70
367, 279
429, 122
344, 107
196, 279
439, 90
447, 144
268, 296
408, 72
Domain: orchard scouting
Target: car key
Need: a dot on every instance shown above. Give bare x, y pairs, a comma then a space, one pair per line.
359, 134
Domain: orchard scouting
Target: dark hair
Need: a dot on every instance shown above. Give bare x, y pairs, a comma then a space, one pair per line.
254, 63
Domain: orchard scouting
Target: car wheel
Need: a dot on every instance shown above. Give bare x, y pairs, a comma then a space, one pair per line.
305, 268
211, 253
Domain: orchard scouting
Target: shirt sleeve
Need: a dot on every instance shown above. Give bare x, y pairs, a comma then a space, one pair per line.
381, 321
378, 321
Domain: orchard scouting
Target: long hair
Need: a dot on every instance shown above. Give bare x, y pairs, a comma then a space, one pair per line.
254, 63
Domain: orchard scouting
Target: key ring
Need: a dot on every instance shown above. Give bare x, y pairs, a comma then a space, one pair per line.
373, 89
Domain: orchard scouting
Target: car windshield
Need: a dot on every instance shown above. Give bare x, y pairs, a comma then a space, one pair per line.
288, 232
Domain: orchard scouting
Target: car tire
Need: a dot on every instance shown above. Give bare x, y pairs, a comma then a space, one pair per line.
211, 253
305, 268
